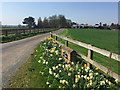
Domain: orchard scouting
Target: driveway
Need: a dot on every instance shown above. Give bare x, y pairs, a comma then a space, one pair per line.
15, 53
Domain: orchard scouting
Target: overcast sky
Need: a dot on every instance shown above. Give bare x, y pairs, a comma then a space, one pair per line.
13, 13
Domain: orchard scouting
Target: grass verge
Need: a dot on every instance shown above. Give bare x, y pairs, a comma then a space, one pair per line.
14, 37
46, 69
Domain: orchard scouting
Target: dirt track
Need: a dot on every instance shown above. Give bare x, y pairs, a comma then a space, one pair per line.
16, 52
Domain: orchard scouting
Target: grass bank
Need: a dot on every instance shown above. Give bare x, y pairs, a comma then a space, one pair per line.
46, 69
14, 37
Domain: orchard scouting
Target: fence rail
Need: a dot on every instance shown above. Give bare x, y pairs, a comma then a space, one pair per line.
95, 49
90, 55
6, 32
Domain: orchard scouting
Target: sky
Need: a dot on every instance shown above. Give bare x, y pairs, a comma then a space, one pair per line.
91, 13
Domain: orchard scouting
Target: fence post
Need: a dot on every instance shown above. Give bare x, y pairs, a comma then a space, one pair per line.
50, 34
16, 31
6, 33
66, 43
29, 31
56, 38
90, 56
24, 31
109, 63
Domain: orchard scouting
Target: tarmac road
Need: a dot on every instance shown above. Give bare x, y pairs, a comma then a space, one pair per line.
15, 53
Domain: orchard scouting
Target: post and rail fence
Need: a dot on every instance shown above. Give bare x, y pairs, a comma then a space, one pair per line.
6, 32
89, 57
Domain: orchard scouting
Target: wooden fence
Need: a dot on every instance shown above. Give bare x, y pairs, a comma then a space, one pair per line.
89, 58
6, 32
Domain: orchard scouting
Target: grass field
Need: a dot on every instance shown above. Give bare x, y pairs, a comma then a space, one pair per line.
103, 60
104, 39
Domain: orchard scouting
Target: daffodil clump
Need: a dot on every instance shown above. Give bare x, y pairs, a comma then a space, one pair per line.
61, 74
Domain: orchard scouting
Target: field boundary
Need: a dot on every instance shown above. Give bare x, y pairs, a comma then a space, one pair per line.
90, 55
6, 32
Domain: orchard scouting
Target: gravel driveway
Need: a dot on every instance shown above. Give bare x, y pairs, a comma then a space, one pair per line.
16, 52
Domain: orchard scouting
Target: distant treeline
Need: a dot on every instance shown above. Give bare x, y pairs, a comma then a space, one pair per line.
51, 22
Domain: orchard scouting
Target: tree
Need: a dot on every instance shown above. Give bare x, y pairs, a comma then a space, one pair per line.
100, 24
69, 23
40, 23
53, 21
62, 21
105, 25
30, 21
45, 23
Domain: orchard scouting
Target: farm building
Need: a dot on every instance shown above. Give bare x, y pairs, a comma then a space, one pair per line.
80, 26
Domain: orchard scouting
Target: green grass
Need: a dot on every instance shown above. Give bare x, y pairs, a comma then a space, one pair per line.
103, 60
104, 39
29, 75
14, 37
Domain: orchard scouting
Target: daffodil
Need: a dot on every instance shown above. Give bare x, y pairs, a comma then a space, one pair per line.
59, 86
42, 73
57, 67
96, 68
60, 59
54, 68
46, 62
72, 63
81, 67
110, 83
60, 71
50, 72
116, 81
57, 75
73, 85
39, 61
69, 74
85, 65
81, 76
76, 80
36, 50
102, 82
88, 78
49, 38
85, 76
41, 57
47, 83
60, 65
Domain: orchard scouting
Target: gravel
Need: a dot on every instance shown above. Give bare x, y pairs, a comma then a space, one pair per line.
15, 53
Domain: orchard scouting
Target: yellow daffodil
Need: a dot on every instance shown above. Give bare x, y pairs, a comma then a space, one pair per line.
76, 66
96, 68
85, 65
69, 74
73, 85
116, 81
36, 50
59, 86
53, 48
49, 38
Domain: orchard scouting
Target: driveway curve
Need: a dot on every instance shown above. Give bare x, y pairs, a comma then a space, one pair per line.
16, 52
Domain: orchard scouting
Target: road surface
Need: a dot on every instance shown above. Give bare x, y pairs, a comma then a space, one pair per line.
16, 52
